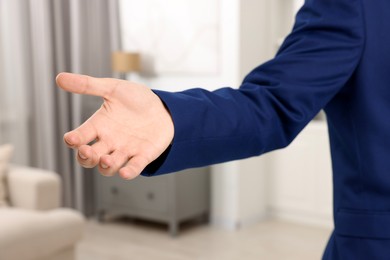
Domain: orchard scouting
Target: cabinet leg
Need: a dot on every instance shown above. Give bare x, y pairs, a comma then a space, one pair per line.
173, 228
101, 216
205, 218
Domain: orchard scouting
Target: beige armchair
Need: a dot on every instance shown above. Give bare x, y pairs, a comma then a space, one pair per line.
34, 227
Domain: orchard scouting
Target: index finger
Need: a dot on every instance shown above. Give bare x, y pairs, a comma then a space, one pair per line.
83, 84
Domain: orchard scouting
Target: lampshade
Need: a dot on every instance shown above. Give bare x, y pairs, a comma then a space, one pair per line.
125, 62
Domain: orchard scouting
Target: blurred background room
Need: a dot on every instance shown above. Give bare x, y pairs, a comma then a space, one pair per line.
278, 206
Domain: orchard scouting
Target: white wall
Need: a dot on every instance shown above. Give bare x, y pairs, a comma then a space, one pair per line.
300, 179
227, 74
255, 48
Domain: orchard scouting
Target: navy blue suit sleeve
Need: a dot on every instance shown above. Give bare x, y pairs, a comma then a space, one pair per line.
276, 100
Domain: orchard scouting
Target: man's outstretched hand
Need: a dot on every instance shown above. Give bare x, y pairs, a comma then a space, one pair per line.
131, 129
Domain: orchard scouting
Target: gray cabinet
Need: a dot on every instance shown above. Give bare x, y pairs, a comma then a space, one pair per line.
169, 198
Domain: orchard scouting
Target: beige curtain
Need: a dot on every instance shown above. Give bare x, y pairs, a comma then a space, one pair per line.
38, 39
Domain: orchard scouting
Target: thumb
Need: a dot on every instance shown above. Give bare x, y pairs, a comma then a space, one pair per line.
82, 84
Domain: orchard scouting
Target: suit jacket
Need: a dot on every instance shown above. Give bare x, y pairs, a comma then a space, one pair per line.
337, 58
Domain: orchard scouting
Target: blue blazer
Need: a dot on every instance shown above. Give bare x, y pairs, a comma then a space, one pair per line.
337, 58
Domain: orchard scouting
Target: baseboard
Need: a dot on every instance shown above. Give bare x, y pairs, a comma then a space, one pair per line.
232, 225
304, 218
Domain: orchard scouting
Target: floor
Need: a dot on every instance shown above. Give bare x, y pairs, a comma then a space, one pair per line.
271, 240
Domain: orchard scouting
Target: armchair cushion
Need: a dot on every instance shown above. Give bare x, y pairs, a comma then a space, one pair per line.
28, 234
5, 156
32, 188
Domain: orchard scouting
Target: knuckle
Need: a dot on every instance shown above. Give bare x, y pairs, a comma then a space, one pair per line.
137, 164
112, 88
86, 85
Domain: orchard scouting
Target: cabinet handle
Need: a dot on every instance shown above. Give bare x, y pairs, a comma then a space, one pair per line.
150, 196
114, 190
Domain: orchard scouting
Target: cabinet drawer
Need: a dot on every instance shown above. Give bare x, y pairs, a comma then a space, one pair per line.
142, 193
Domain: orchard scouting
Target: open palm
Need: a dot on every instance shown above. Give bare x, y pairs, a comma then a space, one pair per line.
131, 129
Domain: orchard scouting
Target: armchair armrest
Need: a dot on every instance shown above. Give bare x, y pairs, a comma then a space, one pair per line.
33, 188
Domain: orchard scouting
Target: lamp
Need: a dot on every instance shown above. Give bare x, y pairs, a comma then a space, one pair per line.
126, 62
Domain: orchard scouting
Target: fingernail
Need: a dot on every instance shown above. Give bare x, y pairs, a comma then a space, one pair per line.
67, 142
82, 156
71, 140
104, 166
126, 176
